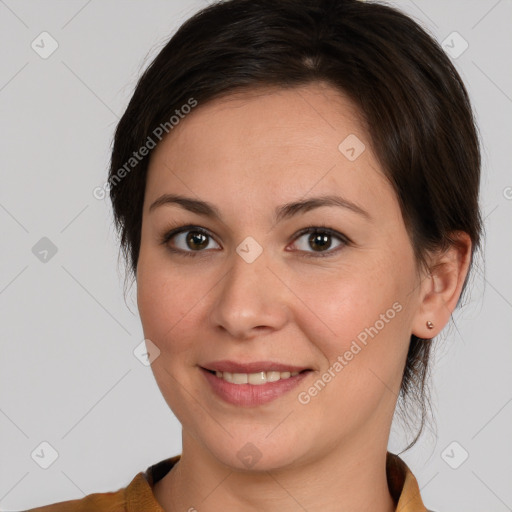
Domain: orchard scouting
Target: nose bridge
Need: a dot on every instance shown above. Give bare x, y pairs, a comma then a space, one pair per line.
250, 296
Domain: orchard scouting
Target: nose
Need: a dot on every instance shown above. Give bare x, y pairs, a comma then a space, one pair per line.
250, 299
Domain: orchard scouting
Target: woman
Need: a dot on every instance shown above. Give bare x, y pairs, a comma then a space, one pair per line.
295, 183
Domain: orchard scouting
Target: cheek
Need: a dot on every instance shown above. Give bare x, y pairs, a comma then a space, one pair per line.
359, 320
345, 303
168, 318
361, 332
165, 304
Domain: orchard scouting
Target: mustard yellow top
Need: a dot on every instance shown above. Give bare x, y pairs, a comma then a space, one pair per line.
138, 495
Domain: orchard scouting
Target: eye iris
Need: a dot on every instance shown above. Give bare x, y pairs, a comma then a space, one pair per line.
321, 240
198, 239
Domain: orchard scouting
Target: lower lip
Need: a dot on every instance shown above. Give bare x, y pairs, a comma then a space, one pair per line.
251, 395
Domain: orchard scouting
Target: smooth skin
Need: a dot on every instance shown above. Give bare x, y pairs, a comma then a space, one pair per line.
248, 154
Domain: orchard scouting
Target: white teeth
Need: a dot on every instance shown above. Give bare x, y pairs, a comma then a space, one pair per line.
273, 376
254, 378
240, 378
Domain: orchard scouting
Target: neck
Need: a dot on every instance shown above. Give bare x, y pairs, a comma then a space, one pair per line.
344, 480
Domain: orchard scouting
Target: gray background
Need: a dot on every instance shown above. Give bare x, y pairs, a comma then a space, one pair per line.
68, 375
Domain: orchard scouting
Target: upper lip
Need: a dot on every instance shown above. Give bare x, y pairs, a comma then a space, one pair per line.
253, 367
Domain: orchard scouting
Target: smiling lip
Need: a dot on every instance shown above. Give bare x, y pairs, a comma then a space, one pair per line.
251, 395
254, 367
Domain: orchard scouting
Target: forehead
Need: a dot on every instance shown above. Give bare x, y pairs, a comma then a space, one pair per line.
270, 144
309, 115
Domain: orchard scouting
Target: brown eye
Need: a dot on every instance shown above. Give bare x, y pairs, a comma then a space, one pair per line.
320, 240
196, 240
188, 240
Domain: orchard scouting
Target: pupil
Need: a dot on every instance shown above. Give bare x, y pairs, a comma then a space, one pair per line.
321, 240
195, 237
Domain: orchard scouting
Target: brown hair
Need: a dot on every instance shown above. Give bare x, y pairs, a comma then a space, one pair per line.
408, 92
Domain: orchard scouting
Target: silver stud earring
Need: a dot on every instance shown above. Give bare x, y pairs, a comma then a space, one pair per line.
430, 325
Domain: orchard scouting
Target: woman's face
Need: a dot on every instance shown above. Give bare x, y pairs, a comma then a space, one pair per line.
340, 303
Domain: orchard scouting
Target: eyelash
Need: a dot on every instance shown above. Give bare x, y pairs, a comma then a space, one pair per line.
320, 229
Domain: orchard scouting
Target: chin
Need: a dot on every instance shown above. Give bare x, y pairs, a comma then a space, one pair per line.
253, 453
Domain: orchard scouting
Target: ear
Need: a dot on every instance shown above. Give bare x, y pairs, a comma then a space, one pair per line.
441, 287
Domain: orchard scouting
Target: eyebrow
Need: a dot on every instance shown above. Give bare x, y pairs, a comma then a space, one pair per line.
282, 212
